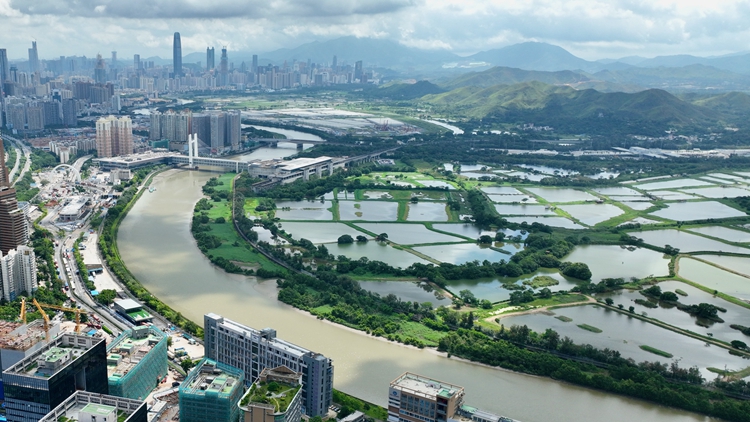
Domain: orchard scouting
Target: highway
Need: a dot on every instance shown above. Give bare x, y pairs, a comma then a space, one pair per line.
26, 151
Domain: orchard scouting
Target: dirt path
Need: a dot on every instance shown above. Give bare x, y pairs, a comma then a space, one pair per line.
540, 310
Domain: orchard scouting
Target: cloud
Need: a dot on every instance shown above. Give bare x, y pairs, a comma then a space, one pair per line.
592, 28
200, 9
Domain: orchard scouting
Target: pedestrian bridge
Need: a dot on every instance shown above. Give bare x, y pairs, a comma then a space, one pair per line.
274, 142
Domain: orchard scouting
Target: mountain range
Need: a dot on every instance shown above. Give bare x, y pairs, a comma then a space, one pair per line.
527, 56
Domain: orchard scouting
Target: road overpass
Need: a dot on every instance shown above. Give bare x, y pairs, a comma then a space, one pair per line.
274, 142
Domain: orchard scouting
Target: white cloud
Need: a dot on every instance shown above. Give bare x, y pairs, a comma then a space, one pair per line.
592, 28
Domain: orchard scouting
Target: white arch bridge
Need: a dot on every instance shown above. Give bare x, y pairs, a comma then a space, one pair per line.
75, 171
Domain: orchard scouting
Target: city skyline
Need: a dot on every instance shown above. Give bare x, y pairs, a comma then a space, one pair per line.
592, 30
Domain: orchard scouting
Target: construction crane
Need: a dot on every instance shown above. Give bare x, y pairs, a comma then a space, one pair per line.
23, 310
46, 319
77, 311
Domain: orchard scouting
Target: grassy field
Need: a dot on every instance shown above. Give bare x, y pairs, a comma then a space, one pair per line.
589, 328
655, 351
419, 331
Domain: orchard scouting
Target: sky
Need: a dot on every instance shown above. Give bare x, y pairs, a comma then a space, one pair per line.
591, 29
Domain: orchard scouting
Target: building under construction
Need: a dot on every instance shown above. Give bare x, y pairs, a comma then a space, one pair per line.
18, 341
136, 361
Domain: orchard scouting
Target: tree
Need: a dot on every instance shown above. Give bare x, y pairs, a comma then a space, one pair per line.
414, 199
545, 293
345, 239
220, 220
186, 364
669, 297
467, 296
609, 301
499, 236
739, 344
577, 270
485, 239
361, 239
169, 341
382, 237
106, 296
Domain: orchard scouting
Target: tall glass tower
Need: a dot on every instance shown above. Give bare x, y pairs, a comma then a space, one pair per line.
177, 55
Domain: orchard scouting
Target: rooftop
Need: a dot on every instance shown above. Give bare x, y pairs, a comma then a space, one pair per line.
245, 331
271, 394
93, 404
15, 336
128, 304
127, 350
425, 387
59, 353
210, 377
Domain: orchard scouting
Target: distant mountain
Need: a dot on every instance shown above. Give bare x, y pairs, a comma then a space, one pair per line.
737, 62
553, 105
506, 76
735, 105
401, 91
691, 77
373, 52
539, 56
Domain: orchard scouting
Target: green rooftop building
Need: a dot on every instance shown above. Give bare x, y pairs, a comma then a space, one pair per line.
211, 392
136, 362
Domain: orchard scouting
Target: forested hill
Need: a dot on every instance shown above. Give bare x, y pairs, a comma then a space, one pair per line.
542, 103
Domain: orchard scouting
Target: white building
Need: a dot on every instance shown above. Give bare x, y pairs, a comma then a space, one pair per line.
18, 272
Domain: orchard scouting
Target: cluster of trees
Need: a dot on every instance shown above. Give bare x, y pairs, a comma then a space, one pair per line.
82, 270
546, 354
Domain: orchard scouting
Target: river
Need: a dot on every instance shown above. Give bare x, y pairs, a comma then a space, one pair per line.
156, 244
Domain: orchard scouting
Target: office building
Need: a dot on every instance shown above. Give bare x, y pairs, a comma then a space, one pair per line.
286, 402
4, 71
14, 229
358, 70
254, 67
83, 406
100, 71
223, 79
253, 351
211, 392
136, 62
114, 136
113, 65
414, 398
135, 360
177, 55
210, 58
19, 341
33, 58
41, 382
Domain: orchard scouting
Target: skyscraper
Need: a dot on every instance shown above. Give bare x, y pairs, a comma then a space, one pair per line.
358, 70
100, 73
335, 62
224, 68
114, 136
210, 58
254, 69
177, 55
14, 230
113, 65
137, 62
4, 70
33, 58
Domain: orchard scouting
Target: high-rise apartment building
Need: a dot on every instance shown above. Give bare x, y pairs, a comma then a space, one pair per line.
358, 70
17, 273
254, 67
14, 229
114, 136
100, 71
113, 65
210, 58
4, 72
218, 131
34, 58
44, 380
70, 112
136, 62
414, 398
177, 55
252, 351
